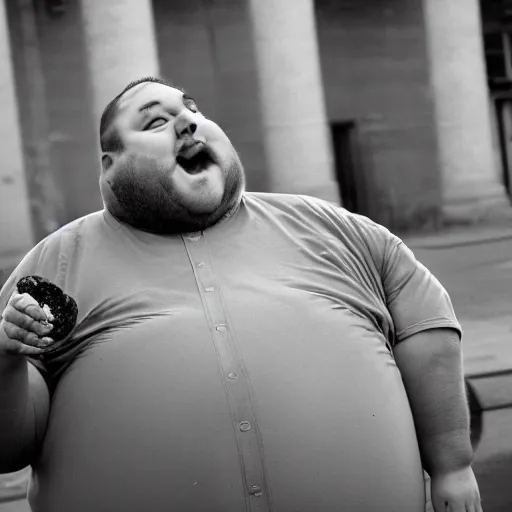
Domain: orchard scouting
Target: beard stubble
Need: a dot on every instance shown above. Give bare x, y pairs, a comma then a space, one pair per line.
148, 201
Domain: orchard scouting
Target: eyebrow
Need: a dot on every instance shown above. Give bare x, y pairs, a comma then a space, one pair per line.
150, 104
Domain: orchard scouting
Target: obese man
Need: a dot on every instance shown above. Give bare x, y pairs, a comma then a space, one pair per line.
233, 351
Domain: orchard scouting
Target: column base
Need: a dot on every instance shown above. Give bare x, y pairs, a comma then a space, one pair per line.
492, 202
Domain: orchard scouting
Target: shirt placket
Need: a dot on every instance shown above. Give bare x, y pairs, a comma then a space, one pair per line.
234, 378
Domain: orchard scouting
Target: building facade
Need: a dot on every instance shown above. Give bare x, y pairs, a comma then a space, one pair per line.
383, 106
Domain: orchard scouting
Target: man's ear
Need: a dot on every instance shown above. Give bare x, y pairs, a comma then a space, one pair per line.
106, 161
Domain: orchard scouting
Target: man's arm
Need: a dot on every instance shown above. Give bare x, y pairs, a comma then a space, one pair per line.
24, 410
24, 396
427, 349
431, 366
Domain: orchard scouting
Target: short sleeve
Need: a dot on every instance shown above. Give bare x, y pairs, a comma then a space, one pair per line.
401, 291
415, 298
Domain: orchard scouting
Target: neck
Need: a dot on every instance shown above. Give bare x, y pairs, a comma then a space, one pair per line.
177, 227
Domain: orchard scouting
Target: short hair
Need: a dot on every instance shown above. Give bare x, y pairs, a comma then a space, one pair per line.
110, 140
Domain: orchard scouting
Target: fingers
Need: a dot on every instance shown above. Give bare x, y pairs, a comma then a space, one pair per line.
26, 350
23, 311
457, 507
26, 304
23, 342
15, 332
22, 323
25, 322
439, 505
475, 507
472, 506
13, 346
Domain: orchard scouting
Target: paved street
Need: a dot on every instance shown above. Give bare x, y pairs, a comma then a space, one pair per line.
17, 506
476, 267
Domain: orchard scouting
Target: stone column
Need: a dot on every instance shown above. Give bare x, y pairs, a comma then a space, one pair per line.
472, 185
16, 235
121, 46
295, 126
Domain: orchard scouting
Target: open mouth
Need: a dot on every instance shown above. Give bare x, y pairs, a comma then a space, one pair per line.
195, 162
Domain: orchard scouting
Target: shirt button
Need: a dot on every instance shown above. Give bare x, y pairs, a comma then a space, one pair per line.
209, 289
255, 490
194, 237
221, 328
200, 264
245, 426
232, 376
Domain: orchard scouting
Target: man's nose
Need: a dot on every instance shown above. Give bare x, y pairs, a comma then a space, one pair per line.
185, 123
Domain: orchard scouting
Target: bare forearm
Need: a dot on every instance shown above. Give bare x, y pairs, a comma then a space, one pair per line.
24, 396
442, 424
16, 413
431, 367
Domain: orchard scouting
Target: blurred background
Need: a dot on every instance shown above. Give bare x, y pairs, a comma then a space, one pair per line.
400, 110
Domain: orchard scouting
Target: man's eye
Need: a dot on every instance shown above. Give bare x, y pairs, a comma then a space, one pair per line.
155, 123
192, 107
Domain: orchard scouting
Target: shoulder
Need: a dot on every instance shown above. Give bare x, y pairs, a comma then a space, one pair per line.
282, 200
79, 225
75, 230
298, 203
316, 217
315, 208
47, 256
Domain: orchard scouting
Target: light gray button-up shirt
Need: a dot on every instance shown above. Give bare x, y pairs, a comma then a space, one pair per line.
246, 367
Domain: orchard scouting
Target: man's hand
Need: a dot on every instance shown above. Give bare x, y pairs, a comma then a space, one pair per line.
23, 326
455, 491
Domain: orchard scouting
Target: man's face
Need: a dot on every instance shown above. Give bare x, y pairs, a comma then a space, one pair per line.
178, 171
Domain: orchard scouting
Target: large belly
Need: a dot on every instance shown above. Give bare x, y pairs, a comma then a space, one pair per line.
337, 428
141, 421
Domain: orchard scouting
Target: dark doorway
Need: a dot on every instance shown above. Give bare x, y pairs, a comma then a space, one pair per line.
503, 107
349, 172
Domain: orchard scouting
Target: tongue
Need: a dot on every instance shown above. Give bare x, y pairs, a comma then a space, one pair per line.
195, 164
194, 167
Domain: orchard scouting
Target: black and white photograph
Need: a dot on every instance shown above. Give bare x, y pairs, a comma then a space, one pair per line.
256, 256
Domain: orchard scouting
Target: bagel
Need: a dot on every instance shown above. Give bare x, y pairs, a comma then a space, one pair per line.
61, 310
